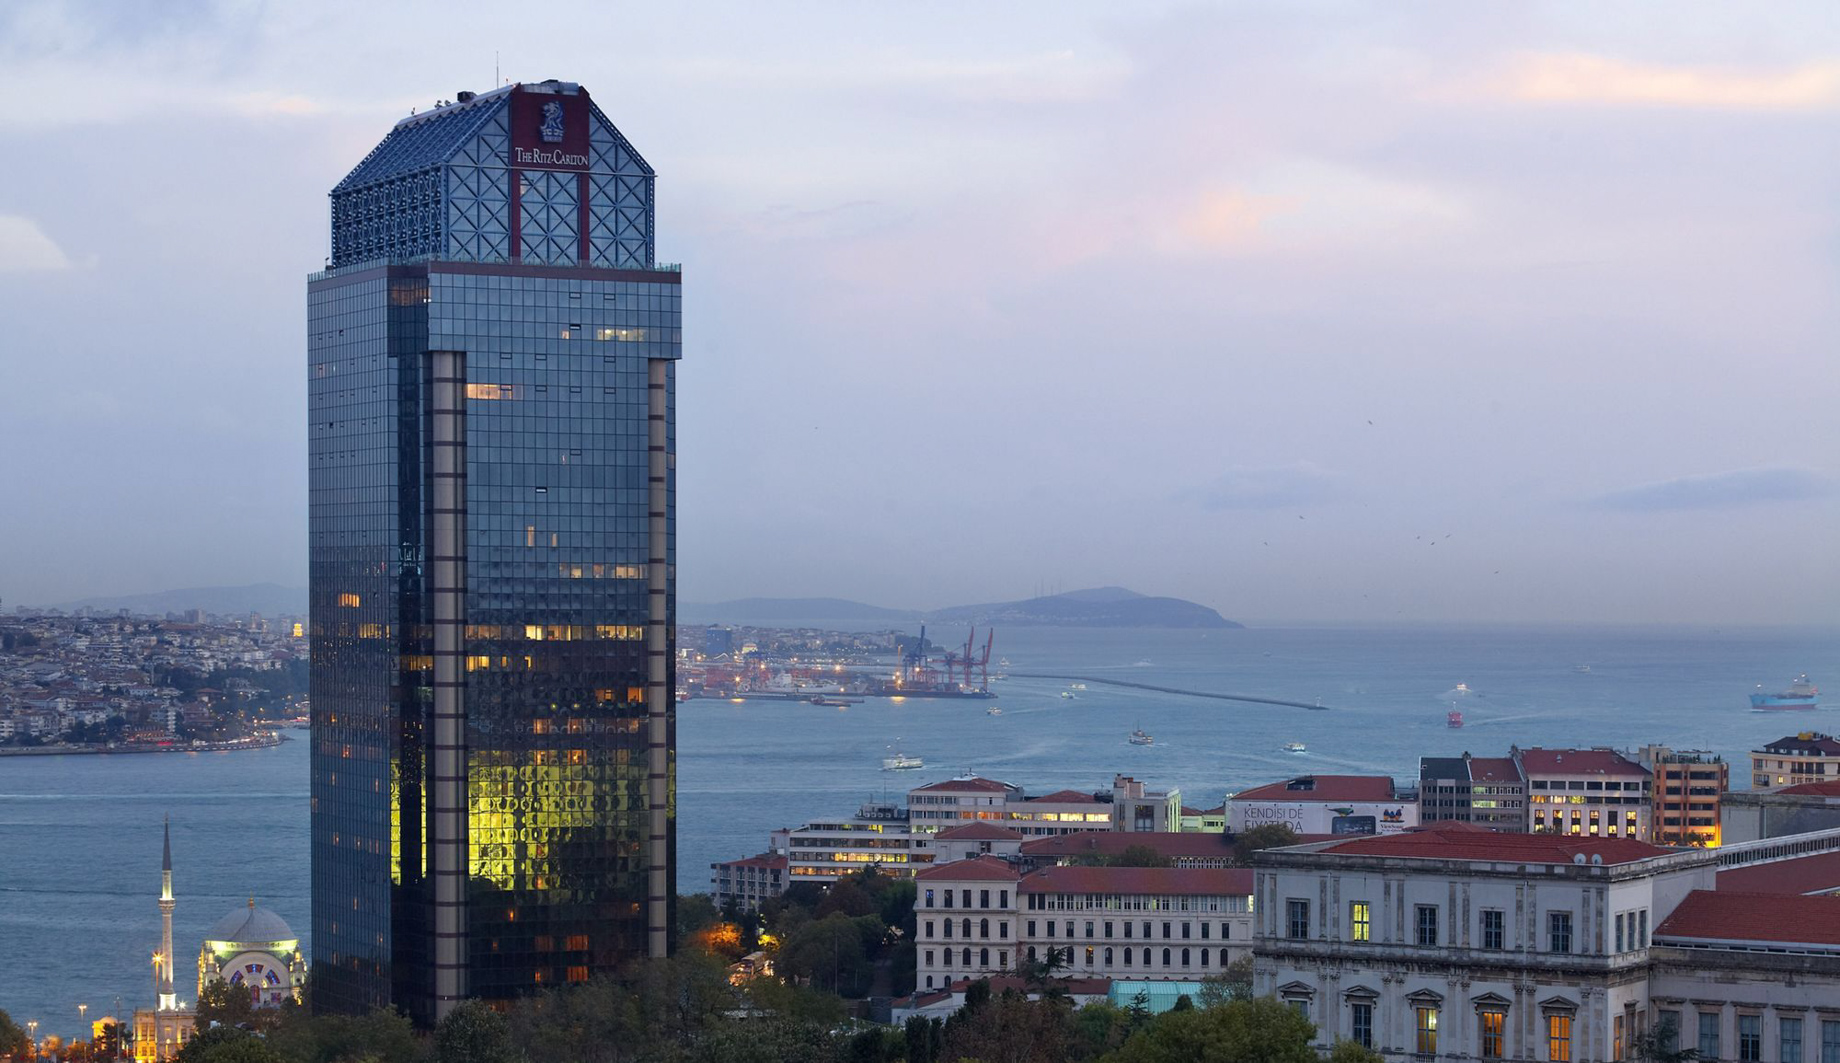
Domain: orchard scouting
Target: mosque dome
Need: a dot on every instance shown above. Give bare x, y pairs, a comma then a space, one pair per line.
251, 926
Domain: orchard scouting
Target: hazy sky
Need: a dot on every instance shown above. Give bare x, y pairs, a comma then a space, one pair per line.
1247, 303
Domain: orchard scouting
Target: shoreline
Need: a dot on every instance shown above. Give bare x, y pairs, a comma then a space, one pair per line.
269, 740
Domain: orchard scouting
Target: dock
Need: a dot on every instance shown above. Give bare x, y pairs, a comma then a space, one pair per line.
1252, 698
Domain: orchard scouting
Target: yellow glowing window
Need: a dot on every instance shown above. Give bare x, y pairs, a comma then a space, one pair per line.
636, 695
1559, 1038
621, 335
370, 631
490, 391
1360, 927
533, 632
350, 601
530, 535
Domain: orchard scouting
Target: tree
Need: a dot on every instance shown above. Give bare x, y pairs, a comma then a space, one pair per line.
833, 952
1346, 1051
1232, 983
222, 1004
1139, 856
1009, 1028
13, 1041
474, 1033
1266, 836
695, 911
228, 1044
1243, 1031
1661, 1044
918, 1034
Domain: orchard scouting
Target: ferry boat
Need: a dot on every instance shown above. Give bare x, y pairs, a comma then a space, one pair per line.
1455, 719
1140, 738
901, 762
1296, 747
1462, 690
993, 712
1800, 695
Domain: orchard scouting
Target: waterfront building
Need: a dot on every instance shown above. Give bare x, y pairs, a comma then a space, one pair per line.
982, 916
254, 950
1748, 815
1687, 786
748, 882
1585, 791
878, 835
1806, 757
1325, 804
162, 1030
1488, 791
1135, 808
491, 367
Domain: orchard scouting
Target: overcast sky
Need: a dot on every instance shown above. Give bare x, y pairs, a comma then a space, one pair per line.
1307, 312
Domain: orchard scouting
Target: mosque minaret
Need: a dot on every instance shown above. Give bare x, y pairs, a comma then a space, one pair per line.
169, 1001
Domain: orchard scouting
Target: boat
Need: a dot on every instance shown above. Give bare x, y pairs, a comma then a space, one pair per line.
1800, 695
1462, 689
993, 711
901, 762
1076, 686
1068, 694
1296, 747
1581, 667
1455, 719
1139, 738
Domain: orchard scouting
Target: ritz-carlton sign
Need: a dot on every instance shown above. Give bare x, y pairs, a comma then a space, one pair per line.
540, 157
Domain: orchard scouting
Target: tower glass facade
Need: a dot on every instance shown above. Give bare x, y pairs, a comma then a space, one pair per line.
491, 391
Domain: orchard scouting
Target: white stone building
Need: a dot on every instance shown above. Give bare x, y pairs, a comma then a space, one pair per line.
981, 917
1325, 804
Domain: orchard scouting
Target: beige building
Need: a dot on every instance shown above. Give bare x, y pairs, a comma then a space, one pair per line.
1807, 757
1591, 792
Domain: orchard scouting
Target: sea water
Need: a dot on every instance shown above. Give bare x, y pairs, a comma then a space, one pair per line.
80, 835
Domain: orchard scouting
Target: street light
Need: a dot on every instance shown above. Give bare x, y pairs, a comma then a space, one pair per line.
83, 1022
32, 1024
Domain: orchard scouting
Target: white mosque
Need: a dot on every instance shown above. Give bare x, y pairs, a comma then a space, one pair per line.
251, 948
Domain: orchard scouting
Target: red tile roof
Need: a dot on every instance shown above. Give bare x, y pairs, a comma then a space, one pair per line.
1161, 881
1493, 769
1466, 841
1322, 788
1069, 797
989, 786
1538, 761
979, 832
1813, 789
1808, 874
1113, 843
1717, 915
976, 869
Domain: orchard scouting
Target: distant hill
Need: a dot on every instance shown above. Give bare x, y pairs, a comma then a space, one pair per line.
1095, 607
786, 610
269, 599
1098, 607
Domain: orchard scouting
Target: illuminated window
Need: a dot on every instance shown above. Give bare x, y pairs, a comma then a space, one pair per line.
350, 601
1559, 1038
1427, 1031
1493, 1022
1359, 927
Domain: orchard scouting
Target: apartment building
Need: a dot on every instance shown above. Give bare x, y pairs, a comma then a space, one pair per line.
1686, 787
748, 882
1591, 792
1490, 791
879, 835
1806, 757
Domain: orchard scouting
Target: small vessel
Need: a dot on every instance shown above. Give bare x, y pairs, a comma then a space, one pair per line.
1581, 667
1068, 694
1454, 719
1296, 747
1143, 663
1140, 738
1800, 695
901, 762
993, 711
1076, 686
1462, 689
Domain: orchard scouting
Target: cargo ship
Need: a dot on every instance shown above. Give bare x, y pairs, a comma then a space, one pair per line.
1800, 695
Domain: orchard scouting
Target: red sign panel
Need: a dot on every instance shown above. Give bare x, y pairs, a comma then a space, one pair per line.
549, 131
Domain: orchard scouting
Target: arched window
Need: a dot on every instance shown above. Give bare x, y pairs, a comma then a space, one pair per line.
983, 957
983, 928
966, 928
1108, 955
1204, 957
948, 932
967, 957
1185, 957
1165, 957
948, 958
1127, 957
1031, 954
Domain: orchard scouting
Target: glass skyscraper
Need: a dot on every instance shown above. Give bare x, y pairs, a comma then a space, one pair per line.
491, 384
